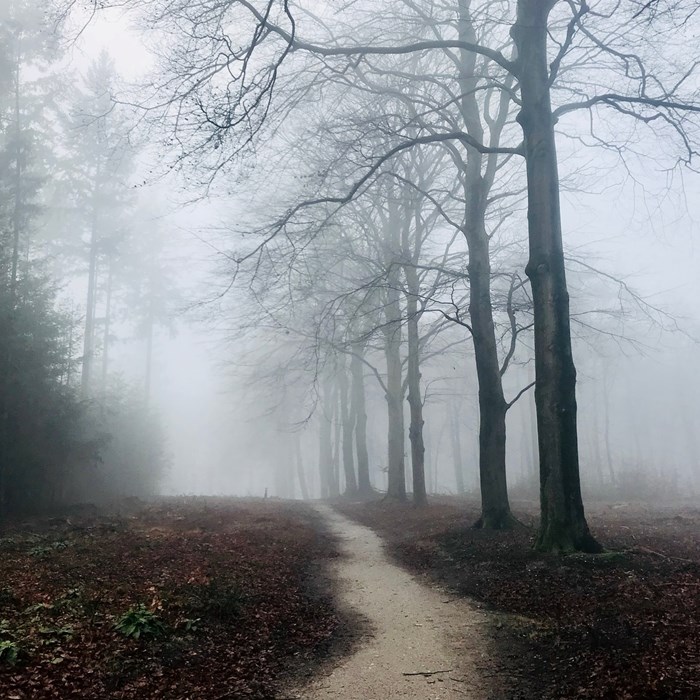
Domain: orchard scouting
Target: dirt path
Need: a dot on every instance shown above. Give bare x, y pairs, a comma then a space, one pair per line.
415, 629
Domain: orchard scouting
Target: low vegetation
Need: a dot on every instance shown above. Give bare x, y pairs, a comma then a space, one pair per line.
195, 599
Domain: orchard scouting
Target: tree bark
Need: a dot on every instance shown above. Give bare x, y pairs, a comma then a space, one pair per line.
347, 418
495, 507
5, 429
17, 209
325, 453
396, 478
563, 525
105, 335
606, 430
364, 486
415, 400
396, 486
334, 477
457, 453
301, 475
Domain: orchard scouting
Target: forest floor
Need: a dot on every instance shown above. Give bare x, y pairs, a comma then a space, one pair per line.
215, 599
625, 624
203, 599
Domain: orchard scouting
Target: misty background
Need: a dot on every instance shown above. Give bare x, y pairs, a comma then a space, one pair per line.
227, 364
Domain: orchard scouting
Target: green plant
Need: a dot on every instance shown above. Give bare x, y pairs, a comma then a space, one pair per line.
9, 652
55, 635
139, 621
39, 608
73, 594
189, 624
42, 550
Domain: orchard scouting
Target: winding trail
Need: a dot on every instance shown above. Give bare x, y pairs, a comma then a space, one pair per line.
415, 630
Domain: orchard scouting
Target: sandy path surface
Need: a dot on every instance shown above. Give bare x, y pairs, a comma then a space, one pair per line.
413, 630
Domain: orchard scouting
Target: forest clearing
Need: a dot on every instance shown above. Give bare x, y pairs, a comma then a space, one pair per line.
230, 598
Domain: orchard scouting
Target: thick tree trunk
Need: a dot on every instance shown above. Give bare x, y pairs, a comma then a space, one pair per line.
495, 513
563, 524
347, 418
415, 400
532, 421
495, 507
364, 486
396, 487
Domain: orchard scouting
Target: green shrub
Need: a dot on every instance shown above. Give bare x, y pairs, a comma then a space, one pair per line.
139, 622
9, 652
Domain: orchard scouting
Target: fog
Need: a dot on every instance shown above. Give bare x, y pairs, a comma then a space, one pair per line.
238, 332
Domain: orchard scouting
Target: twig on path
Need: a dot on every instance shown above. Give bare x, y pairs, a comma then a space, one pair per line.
646, 550
425, 674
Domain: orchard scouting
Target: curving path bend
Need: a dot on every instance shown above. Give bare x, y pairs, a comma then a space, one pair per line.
443, 644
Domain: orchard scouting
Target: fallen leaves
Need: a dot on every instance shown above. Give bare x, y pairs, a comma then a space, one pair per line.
193, 599
625, 624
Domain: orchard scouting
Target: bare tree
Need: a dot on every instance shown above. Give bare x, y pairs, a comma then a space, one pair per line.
553, 39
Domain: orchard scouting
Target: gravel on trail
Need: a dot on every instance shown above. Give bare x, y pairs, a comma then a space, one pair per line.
422, 644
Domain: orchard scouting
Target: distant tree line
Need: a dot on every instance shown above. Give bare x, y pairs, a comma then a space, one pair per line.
70, 429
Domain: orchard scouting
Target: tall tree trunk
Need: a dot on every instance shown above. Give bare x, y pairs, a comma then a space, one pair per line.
359, 412
532, 420
347, 418
457, 453
415, 400
396, 486
301, 474
495, 507
435, 446
606, 428
563, 525
17, 209
69, 348
335, 471
325, 454
595, 439
396, 474
89, 334
5, 429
